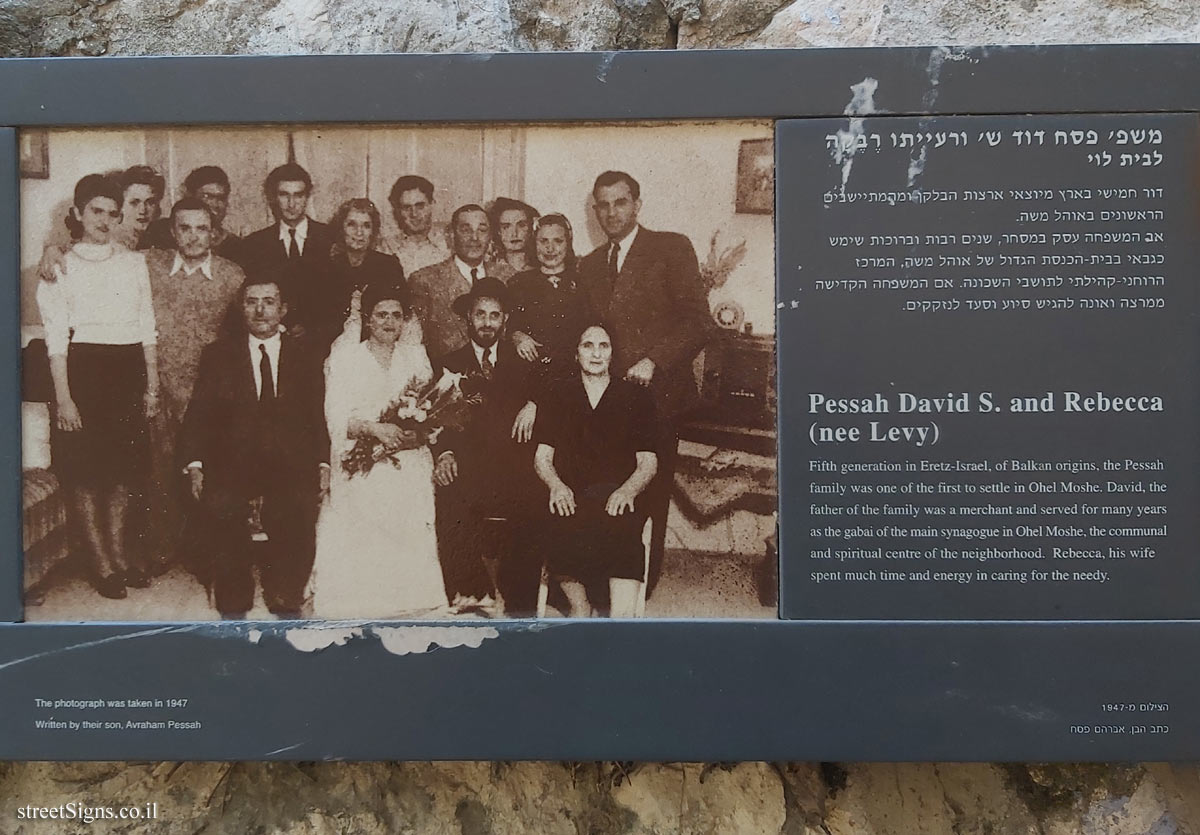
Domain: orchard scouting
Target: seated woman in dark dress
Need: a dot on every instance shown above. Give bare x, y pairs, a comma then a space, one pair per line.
548, 309
354, 264
596, 439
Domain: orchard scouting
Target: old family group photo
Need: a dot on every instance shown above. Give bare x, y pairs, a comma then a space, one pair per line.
461, 394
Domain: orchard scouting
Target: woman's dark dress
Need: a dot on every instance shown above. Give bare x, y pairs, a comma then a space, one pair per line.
550, 315
331, 305
595, 451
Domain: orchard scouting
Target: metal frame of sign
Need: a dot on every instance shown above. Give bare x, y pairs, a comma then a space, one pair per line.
580, 690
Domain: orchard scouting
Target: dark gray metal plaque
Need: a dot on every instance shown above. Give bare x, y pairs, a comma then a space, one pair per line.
987, 333
10, 385
1074, 669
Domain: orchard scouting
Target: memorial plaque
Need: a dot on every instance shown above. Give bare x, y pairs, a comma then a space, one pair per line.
987, 326
924, 430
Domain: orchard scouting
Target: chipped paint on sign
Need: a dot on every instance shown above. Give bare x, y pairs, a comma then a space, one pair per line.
315, 638
406, 640
916, 166
862, 103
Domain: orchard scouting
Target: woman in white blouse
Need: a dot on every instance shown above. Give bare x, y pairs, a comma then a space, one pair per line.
100, 335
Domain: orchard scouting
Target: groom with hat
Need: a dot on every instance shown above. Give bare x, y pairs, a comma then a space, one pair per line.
485, 471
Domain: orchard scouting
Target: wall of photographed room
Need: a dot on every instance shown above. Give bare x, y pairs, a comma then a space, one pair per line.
688, 174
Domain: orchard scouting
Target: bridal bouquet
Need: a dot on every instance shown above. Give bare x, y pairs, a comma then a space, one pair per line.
423, 412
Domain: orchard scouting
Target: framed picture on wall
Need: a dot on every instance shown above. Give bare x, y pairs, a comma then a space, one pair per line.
35, 154
756, 177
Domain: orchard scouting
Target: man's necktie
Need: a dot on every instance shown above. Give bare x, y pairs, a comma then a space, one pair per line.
293, 249
488, 367
474, 275
266, 394
613, 251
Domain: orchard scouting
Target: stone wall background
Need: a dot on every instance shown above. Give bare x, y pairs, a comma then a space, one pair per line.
604, 798
195, 27
587, 798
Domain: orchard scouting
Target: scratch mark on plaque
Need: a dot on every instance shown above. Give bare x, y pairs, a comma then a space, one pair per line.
144, 633
316, 638
281, 750
938, 56
534, 625
937, 60
407, 640
1030, 713
605, 65
862, 103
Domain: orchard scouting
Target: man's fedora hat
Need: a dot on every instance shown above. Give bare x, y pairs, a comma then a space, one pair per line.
485, 288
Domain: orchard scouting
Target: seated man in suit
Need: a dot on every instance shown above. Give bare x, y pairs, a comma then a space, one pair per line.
210, 185
257, 456
485, 476
295, 248
647, 285
434, 288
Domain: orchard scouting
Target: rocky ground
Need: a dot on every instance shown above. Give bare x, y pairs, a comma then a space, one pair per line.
224, 27
602, 798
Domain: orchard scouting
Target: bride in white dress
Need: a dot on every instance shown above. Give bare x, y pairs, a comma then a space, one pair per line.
376, 542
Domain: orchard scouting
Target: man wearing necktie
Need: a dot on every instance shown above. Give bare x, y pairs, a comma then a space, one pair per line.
647, 285
295, 248
484, 473
434, 288
257, 456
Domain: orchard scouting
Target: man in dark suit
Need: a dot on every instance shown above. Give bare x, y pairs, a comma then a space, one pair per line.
295, 247
257, 453
647, 285
434, 288
485, 475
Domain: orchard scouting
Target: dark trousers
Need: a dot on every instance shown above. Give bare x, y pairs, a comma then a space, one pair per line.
659, 500
156, 507
470, 533
461, 545
283, 563
519, 570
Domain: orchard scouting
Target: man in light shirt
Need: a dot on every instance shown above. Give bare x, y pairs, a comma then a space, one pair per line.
192, 289
210, 184
418, 244
434, 288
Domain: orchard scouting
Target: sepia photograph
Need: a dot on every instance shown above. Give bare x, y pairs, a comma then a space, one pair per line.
399, 372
